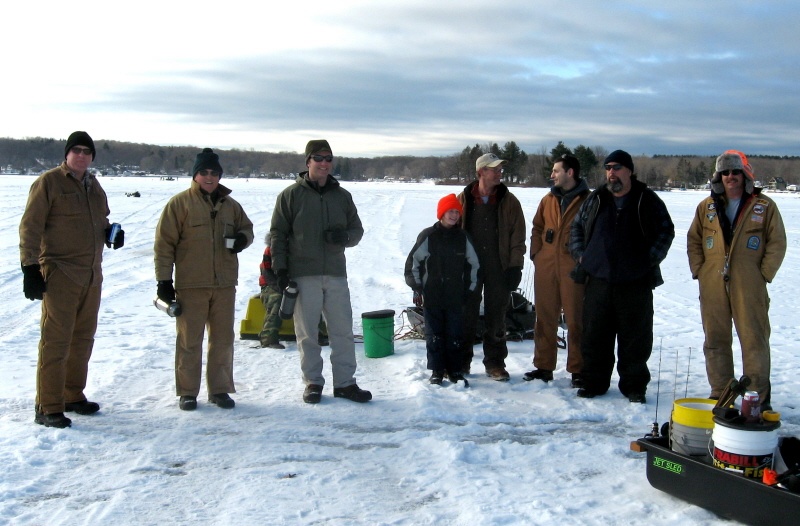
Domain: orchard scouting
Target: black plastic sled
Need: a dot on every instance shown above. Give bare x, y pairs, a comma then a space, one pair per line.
728, 494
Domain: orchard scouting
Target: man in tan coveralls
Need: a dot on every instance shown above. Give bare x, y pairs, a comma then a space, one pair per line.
554, 289
61, 237
736, 245
200, 233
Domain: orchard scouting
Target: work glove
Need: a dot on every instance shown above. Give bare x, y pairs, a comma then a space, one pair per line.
513, 276
337, 237
579, 275
239, 242
419, 299
165, 291
119, 241
283, 279
33, 284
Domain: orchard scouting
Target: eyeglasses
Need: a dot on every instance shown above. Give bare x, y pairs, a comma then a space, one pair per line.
209, 173
731, 172
77, 150
320, 158
613, 167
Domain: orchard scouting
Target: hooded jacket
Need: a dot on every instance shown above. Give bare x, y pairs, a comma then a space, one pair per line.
190, 236
554, 255
303, 213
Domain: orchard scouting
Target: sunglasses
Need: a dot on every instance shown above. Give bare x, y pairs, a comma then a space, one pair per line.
77, 150
211, 173
731, 172
320, 158
613, 167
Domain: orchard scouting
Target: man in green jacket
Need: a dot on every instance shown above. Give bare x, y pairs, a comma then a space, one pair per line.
200, 234
61, 237
314, 220
736, 244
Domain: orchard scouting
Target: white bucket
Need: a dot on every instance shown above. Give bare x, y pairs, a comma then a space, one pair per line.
746, 450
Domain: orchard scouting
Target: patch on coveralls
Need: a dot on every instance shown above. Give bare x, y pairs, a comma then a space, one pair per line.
757, 219
754, 242
709, 242
711, 206
711, 217
758, 209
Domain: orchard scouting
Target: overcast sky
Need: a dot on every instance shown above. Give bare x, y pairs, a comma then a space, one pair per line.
407, 77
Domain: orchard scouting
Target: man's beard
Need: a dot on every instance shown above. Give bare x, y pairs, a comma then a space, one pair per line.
614, 187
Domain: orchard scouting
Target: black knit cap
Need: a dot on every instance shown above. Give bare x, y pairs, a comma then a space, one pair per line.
79, 138
206, 160
622, 157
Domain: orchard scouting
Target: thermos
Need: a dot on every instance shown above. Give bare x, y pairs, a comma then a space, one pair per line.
173, 309
287, 302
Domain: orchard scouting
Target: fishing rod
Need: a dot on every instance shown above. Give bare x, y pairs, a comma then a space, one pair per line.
654, 430
688, 368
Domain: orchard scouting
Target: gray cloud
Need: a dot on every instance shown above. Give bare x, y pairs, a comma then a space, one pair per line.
691, 77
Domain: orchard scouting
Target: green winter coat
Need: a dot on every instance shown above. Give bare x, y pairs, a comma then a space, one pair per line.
190, 236
300, 219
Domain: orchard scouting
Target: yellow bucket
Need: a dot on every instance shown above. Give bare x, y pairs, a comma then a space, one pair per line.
694, 412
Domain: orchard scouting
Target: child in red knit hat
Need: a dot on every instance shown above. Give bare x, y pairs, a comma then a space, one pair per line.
442, 269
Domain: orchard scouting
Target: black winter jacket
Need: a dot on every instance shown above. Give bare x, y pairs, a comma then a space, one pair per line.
444, 265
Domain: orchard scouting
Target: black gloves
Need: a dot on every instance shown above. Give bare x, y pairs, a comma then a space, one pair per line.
239, 242
119, 241
283, 279
579, 275
513, 276
165, 291
337, 237
33, 284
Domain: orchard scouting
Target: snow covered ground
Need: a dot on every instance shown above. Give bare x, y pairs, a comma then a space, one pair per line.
494, 454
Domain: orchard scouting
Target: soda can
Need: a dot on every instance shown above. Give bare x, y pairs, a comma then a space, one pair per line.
751, 406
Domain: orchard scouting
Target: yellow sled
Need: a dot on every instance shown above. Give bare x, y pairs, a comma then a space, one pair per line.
253, 321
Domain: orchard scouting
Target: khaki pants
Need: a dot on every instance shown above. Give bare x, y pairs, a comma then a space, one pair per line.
68, 325
211, 309
747, 307
331, 297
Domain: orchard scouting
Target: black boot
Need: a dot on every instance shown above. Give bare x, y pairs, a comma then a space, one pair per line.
52, 420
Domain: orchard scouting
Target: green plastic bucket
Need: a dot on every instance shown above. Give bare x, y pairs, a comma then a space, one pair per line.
378, 333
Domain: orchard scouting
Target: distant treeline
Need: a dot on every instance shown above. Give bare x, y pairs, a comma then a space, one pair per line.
33, 155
